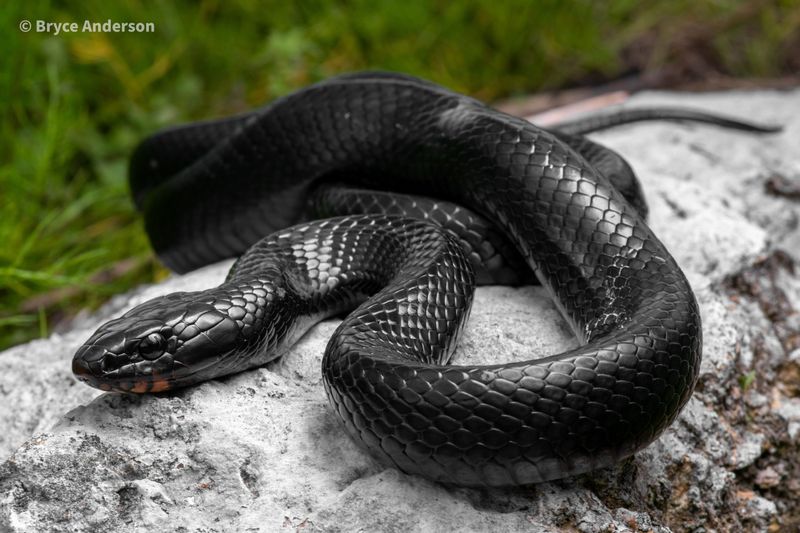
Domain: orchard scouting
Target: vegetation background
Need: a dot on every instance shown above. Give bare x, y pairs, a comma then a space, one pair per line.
75, 104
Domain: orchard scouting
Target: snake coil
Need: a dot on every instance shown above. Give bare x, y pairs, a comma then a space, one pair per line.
567, 208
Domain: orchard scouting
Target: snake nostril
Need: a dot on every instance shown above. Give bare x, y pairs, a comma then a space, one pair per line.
90, 353
87, 360
80, 367
112, 362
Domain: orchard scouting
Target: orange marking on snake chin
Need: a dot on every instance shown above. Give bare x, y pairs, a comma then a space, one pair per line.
160, 385
140, 386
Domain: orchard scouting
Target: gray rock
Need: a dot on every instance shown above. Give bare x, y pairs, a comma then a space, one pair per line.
262, 451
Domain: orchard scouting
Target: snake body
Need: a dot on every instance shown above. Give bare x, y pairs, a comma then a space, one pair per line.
568, 208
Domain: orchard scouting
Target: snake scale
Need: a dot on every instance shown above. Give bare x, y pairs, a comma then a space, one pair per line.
375, 153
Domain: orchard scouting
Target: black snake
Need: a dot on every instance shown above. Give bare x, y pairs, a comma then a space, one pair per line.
568, 208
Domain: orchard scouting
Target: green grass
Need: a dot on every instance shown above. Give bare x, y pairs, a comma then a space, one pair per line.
74, 105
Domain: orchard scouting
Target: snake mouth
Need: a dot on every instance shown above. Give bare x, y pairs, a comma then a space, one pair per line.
83, 371
102, 369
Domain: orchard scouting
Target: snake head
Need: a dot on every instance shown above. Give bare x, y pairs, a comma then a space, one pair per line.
166, 342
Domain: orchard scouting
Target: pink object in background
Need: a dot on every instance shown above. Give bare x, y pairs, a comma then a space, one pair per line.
569, 111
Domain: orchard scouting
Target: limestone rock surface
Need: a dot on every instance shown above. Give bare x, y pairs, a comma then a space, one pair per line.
262, 450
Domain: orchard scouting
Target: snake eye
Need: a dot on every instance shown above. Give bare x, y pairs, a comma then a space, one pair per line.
152, 346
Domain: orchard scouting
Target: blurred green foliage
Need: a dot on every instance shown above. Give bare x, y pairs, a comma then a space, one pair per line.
75, 104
